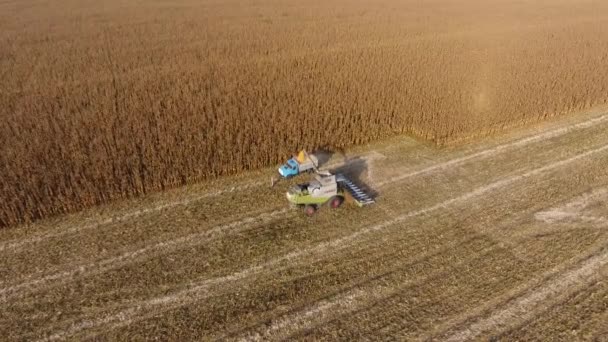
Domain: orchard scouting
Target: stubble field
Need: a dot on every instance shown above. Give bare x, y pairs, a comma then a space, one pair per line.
102, 102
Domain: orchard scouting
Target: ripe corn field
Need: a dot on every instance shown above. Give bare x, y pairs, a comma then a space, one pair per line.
107, 101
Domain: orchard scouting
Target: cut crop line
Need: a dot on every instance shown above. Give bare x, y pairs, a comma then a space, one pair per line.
106, 265
14, 244
523, 308
200, 290
10, 245
127, 258
373, 155
500, 148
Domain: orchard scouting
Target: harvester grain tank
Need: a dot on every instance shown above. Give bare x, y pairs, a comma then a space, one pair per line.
303, 162
326, 188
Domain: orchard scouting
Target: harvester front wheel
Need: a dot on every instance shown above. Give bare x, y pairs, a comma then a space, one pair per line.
335, 202
310, 210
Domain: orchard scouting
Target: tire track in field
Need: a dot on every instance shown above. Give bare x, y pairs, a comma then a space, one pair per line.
283, 328
574, 210
500, 148
147, 308
523, 308
348, 301
15, 244
144, 253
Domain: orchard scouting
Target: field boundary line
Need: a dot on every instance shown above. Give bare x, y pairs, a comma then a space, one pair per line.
500, 148
371, 156
199, 290
138, 255
12, 244
160, 248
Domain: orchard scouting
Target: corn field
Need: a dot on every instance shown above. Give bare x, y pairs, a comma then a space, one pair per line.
102, 102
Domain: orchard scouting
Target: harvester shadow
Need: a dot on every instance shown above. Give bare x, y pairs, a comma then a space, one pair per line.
356, 169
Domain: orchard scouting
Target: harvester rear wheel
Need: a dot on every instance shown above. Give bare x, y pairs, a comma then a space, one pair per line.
336, 202
310, 210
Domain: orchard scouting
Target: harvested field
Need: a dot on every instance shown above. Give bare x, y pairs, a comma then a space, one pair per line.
506, 237
101, 101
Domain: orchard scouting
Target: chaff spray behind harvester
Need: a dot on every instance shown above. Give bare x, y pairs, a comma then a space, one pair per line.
324, 188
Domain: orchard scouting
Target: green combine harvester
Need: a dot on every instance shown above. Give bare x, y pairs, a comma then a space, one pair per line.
327, 188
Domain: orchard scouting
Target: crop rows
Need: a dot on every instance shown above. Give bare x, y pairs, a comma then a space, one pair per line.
113, 101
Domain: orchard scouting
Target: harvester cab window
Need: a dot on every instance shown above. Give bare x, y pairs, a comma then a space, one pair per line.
314, 186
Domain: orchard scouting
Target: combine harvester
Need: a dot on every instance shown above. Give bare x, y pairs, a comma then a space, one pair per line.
327, 188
